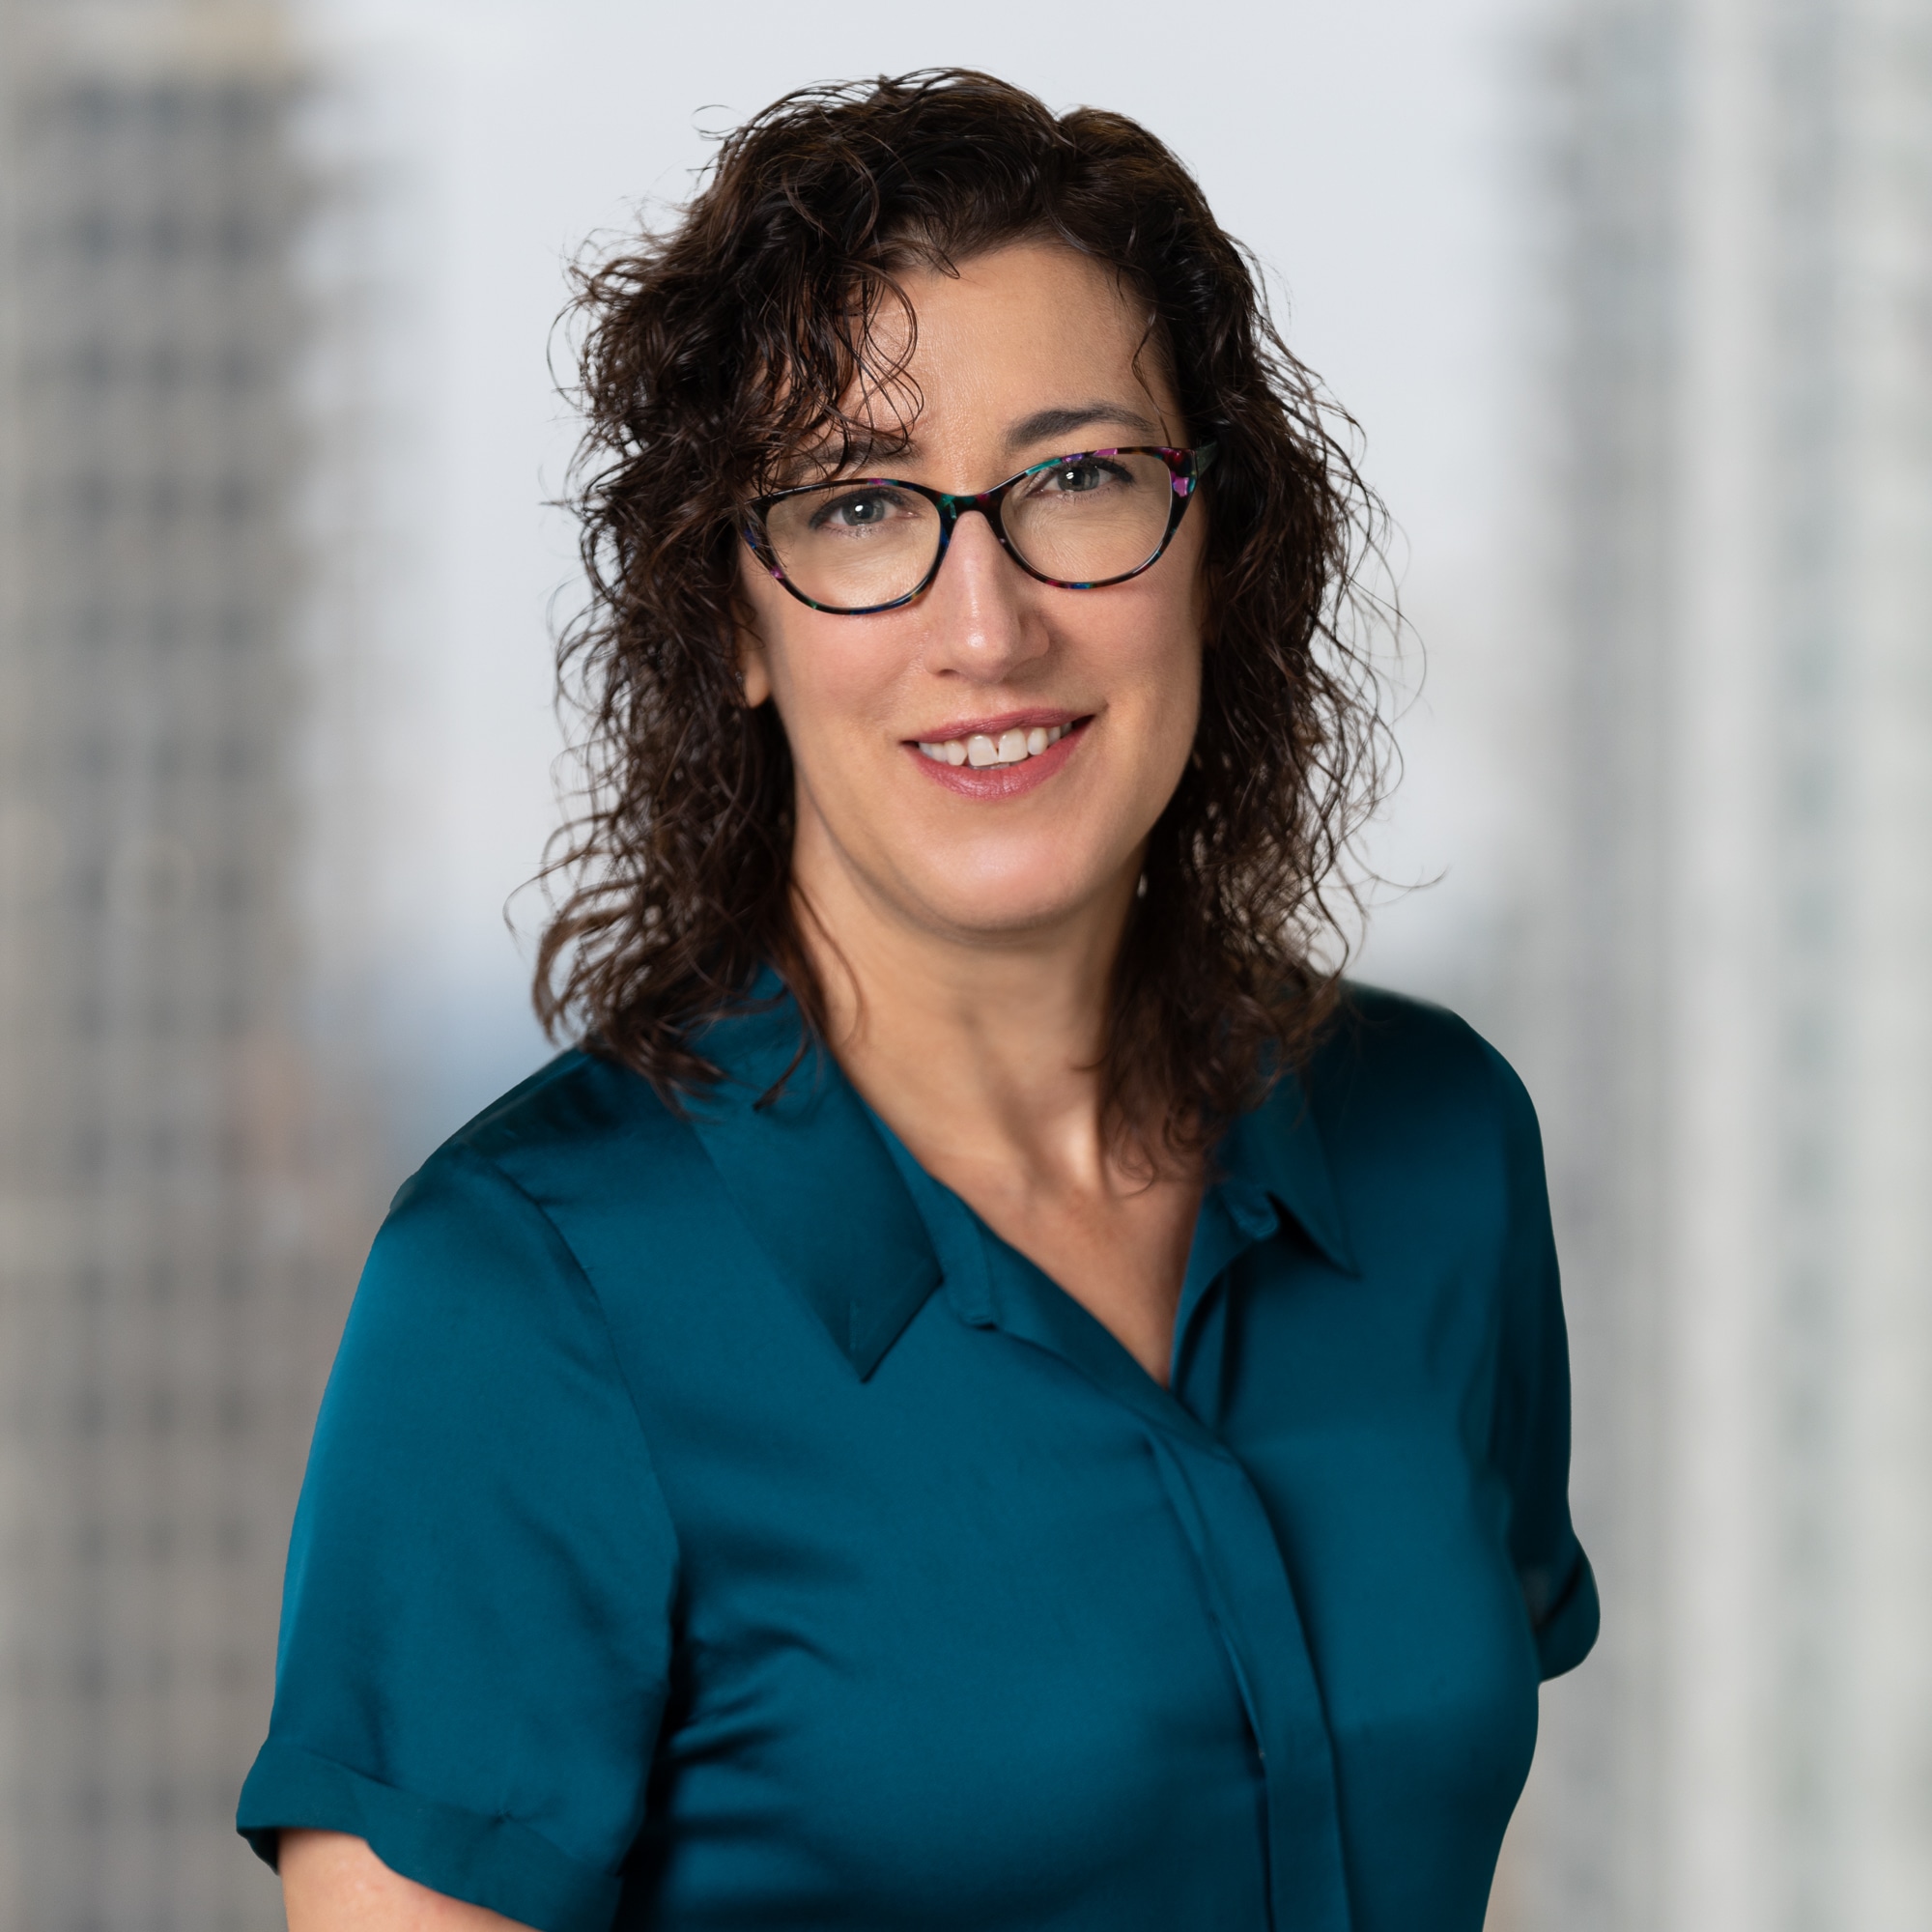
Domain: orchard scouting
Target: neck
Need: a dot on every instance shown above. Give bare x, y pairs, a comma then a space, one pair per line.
981, 1051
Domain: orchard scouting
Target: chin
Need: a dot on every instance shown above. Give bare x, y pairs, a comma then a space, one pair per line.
998, 904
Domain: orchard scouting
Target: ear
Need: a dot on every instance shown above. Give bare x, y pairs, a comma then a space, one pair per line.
752, 671
755, 671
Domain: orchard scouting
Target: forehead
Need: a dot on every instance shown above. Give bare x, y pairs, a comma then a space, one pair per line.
1029, 325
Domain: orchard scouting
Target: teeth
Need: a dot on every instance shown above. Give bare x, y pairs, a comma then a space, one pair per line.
979, 750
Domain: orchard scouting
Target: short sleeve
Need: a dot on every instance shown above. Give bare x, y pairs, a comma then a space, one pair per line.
476, 1624
1531, 1440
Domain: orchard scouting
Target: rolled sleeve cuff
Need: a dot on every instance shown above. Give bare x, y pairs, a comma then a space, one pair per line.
489, 1862
1569, 1629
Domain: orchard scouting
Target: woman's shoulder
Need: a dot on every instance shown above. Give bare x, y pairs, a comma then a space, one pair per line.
584, 1152
577, 1122
1398, 1086
577, 1105
1386, 1048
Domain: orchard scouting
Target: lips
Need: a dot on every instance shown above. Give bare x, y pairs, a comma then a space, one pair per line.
980, 748
999, 759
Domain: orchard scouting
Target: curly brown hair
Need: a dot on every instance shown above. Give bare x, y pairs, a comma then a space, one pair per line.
718, 356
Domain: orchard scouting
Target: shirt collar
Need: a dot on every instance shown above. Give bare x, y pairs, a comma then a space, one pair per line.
811, 1178
1277, 1151
823, 1196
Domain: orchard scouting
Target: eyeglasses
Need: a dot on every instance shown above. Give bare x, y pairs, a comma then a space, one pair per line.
1078, 523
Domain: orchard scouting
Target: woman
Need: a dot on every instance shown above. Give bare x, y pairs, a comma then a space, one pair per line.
992, 1392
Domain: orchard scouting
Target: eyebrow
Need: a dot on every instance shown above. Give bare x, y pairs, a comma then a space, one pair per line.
1050, 424
1044, 425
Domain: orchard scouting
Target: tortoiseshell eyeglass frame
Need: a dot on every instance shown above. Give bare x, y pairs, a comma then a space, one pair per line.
1185, 467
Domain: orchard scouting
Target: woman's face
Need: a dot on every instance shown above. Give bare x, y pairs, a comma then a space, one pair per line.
1027, 352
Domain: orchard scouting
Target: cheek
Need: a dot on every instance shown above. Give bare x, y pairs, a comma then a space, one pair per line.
1165, 679
1162, 664
828, 680
1176, 719
1169, 618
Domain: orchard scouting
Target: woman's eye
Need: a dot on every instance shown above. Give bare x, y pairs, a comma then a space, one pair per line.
858, 512
1078, 479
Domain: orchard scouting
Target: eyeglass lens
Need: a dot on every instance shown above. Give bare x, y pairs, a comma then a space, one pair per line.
1086, 518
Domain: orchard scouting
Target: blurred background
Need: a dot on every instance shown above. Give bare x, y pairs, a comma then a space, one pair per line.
1633, 300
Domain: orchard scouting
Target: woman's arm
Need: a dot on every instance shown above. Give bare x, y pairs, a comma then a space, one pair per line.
333, 1883
476, 1636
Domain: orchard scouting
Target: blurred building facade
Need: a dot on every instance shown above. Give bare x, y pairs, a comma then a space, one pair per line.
1735, 1057
170, 1274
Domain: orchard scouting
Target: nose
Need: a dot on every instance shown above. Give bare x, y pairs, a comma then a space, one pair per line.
982, 623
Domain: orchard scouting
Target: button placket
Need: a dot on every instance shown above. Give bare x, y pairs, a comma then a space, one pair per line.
1242, 1574
1259, 1622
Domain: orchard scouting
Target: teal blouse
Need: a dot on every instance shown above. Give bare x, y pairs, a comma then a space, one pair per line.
711, 1523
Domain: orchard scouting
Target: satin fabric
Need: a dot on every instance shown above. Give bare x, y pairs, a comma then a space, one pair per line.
712, 1525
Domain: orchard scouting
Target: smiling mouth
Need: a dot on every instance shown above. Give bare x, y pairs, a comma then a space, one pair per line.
982, 751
